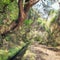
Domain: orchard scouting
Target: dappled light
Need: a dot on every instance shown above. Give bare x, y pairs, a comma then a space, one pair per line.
29, 29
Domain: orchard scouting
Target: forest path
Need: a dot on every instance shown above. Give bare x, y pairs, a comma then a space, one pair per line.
41, 52
45, 53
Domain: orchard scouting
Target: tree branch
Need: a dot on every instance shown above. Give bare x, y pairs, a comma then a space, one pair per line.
22, 15
30, 4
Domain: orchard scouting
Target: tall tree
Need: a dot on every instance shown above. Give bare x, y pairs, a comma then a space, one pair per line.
23, 11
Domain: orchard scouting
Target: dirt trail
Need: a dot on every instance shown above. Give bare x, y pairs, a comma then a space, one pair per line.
45, 52
41, 52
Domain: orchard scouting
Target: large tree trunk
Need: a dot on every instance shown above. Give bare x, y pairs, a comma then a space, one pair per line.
23, 11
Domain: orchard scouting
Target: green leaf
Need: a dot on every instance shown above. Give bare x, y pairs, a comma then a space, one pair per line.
28, 22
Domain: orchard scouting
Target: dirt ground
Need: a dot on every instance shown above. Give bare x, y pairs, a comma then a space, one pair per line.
41, 52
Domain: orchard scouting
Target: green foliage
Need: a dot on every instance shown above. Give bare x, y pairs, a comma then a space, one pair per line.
43, 23
28, 22
6, 1
15, 9
15, 49
8, 38
39, 39
3, 54
54, 19
30, 55
11, 14
19, 49
11, 11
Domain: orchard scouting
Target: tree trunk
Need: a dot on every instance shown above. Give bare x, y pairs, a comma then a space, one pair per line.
23, 11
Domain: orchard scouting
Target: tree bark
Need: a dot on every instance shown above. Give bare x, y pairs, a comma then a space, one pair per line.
23, 11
